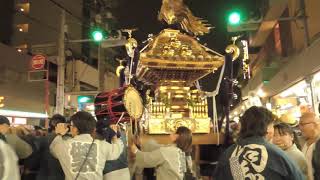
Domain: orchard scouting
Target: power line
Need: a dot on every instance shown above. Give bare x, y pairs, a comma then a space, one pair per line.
83, 22
39, 22
67, 11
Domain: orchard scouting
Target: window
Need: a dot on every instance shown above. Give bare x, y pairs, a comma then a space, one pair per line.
23, 8
22, 48
22, 27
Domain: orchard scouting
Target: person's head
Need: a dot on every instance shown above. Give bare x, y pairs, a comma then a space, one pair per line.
257, 121
82, 123
54, 120
4, 125
309, 125
283, 136
103, 131
182, 138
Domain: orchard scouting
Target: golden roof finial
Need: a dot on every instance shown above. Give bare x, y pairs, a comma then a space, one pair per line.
175, 11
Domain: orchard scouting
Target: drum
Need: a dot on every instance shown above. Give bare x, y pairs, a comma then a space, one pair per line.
123, 102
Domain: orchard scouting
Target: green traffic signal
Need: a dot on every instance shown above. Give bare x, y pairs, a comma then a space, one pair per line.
97, 35
234, 18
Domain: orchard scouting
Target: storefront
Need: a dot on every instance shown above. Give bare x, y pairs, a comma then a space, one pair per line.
302, 97
17, 118
237, 112
295, 88
289, 104
316, 92
292, 102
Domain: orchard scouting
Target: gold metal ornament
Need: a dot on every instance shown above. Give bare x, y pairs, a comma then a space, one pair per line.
172, 62
234, 50
175, 11
118, 70
180, 58
131, 44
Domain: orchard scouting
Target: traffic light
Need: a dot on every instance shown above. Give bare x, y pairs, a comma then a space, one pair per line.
234, 18
98, 34
241, 19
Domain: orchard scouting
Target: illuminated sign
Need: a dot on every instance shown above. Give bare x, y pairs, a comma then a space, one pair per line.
245, 60
85, 103
85, 99
22, 114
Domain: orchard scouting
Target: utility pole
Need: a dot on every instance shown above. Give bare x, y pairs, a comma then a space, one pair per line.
101, 69
61, 66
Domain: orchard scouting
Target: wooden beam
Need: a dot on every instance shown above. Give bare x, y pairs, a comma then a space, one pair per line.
271, 18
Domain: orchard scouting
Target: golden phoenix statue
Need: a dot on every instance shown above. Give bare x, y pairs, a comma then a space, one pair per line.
176, 12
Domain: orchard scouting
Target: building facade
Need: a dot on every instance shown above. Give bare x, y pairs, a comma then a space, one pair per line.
36, 30
285, 69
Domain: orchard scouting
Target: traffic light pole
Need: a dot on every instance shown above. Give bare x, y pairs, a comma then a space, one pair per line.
80, 40
235, 22
105, 43
61, 67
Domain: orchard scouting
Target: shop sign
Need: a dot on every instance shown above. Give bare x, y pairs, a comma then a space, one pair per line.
38, 62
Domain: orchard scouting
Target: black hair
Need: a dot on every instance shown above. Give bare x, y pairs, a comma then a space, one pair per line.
84, 122
255, 121
54, 120
104, 132
285, 129
4, 120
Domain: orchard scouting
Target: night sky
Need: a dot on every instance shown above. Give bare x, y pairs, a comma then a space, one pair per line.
142, 14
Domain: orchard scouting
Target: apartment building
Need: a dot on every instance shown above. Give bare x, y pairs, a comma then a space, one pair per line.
35, 29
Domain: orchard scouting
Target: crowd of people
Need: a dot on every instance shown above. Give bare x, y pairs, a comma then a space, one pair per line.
86, 149
267, 148
68, 151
